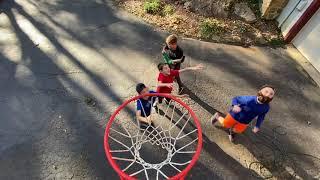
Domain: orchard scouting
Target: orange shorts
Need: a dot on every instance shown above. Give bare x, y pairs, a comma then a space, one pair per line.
230, 122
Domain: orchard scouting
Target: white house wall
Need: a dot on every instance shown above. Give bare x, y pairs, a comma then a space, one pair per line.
307, 40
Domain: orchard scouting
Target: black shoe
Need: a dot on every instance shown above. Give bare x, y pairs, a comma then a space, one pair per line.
181, 88
214, 118
231, 135
182, 59
147, 126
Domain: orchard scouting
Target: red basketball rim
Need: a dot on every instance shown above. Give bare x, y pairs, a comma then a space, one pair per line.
195, 157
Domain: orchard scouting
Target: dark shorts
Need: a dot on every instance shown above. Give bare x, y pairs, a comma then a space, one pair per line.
151, 132
176, 66
144, 126
161, 99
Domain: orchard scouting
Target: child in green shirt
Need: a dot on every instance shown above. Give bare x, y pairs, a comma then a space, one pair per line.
173, 55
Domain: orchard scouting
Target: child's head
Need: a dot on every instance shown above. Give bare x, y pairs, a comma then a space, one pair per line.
164, 68
172, 41
142, 89
266, 93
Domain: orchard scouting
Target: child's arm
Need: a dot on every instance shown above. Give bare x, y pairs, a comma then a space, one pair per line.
142, 119
179, 95
238, 101
176, 61
166, 58
260, 119
193, 68
179, 60
259, 122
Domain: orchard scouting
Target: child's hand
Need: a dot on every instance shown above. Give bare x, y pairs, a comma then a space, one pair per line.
149, 120
184, 95
176, 61
236, 109
197, 67
255, 129
170, 85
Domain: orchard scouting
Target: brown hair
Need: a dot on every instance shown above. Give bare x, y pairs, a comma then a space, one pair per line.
269, 86
172, 39
140, 87
160, 66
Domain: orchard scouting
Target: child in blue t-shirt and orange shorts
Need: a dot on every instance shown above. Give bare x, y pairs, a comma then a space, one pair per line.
244, 110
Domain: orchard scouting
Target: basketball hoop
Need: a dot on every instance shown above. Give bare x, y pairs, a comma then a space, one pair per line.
175, 134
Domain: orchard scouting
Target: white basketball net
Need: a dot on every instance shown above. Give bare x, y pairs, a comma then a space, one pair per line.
172, 133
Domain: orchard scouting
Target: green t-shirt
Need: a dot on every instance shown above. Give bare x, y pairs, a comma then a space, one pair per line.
167, 58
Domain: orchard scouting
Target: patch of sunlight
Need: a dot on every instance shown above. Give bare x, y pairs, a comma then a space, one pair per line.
31, 8
88, 87
111, 65
309, 94
85, 55
87, 84
44, 44
219, 71
90, 60
145, 70
4, 21
29, 4
123, 55
125, 31
9, 45
24, 75
295, 55
78, 57
256, 58
28, 7
33, 33
67, 19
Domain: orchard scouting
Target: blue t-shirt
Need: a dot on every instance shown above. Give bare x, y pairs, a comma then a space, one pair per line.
250, 108
145, 105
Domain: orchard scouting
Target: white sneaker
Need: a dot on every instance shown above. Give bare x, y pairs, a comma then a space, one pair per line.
214, 118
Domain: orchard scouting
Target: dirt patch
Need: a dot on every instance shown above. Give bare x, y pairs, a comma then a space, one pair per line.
232, 30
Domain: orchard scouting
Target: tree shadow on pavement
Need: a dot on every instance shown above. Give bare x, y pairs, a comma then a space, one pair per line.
71, 138
72, 135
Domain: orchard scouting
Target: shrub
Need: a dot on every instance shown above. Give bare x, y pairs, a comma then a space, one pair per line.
168, 10
276, 42
243, 29
152, 6
255, 6
209, 28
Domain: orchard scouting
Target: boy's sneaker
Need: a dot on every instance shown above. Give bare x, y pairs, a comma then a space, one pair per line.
181, 88
231, 135
214, 118
155, 103
182, 59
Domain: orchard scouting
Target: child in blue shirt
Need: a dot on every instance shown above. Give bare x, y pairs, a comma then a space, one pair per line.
245, 109
145, 105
